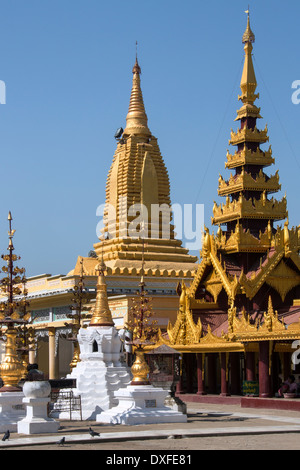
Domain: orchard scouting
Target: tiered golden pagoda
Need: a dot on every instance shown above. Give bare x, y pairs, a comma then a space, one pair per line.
247, 190
138, 176
249, 212
250, 265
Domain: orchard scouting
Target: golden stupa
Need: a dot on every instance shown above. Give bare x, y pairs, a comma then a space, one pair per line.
138, 176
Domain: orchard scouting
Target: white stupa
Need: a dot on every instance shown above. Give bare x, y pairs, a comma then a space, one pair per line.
140, 402
99, 373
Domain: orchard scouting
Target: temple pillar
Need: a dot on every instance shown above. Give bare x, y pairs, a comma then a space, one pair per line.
189, 372
250, 366
179, 385
275, 382
264, 378
211, 373
224, 374
52, 355
200, 374
235, 382
286, 366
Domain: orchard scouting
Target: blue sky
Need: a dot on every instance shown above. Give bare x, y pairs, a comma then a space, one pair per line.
67, 69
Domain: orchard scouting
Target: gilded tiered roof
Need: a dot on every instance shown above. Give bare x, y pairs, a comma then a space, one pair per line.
244, 181
248, 257
247, 190
243, 208
246, 156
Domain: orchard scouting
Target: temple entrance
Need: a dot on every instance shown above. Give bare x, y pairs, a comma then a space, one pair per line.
258, 372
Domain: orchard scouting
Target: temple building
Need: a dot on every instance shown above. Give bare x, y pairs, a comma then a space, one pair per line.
137, 225
239, 317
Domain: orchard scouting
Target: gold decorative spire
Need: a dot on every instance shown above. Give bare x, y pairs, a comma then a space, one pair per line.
101, 313
248, 81
136, 118
247, 190
248, 35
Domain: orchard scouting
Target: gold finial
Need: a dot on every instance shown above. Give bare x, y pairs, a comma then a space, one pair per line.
248, 81
248, 35
136, 119
101, 312
10, 231
136, 67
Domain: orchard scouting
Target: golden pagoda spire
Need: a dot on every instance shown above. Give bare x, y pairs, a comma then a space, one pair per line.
247, 190
248, 81
136, 120
101, 313
248, 35
138, 176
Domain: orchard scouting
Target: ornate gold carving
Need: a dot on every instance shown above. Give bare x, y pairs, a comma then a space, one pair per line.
140, 369
248, 135
219, 279
249, 157
11, 368
242, 326
283, 279
198, 276
270, 329
231, 316
275, 246
271, 322
211, 341
250, 286
262, 208
185, 330
245, 182
213, 284
241, 240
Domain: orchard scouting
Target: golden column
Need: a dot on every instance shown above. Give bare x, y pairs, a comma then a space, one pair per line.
52, 355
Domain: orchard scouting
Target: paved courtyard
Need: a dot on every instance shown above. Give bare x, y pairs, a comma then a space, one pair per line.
209, 427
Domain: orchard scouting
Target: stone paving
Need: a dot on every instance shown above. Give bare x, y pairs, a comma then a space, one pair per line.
208, 427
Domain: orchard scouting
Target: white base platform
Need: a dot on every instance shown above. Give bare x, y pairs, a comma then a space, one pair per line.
36, 420
141, 404
11, 410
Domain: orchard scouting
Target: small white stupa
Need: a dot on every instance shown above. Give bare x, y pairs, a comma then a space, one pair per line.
99, 373
140, 402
